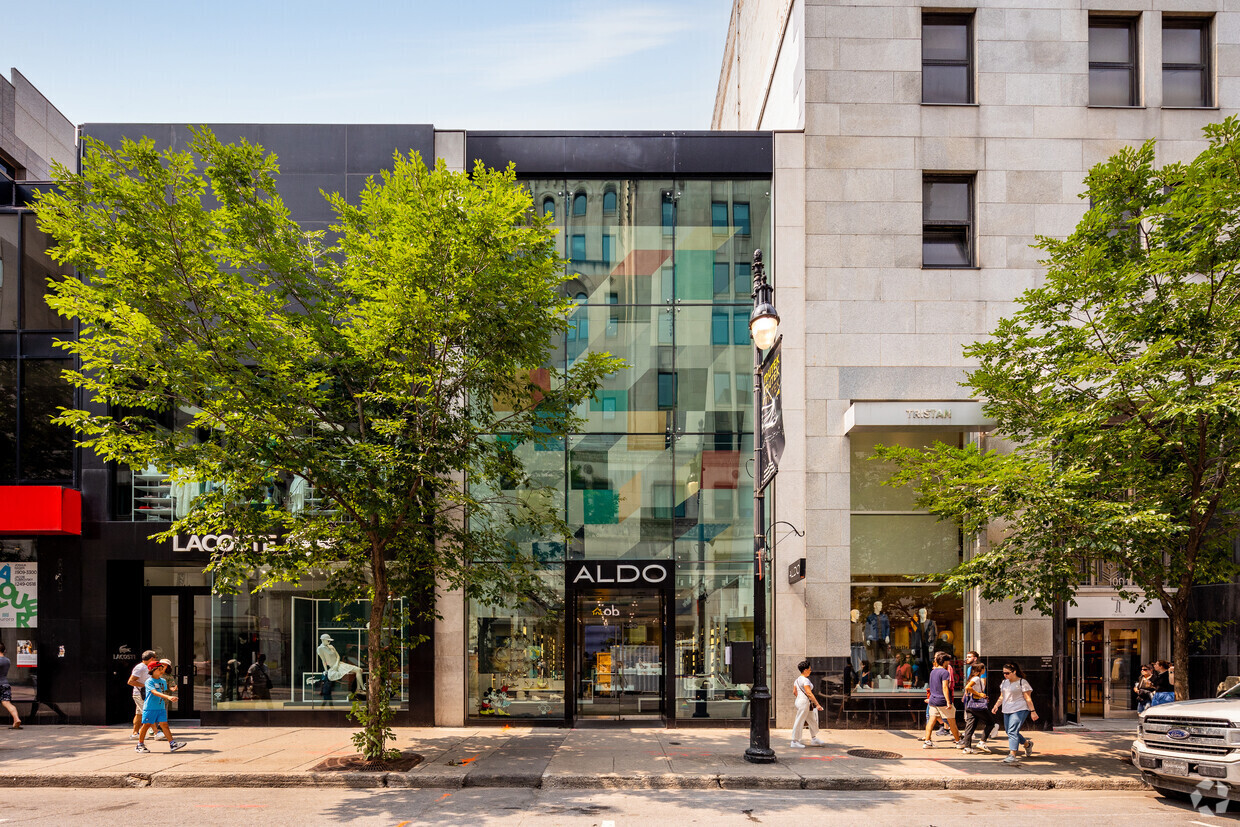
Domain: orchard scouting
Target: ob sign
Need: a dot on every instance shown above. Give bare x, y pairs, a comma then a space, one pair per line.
620, 573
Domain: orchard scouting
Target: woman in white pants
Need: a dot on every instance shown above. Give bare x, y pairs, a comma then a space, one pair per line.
807, 709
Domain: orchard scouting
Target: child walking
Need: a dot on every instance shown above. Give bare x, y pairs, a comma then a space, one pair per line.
155, 710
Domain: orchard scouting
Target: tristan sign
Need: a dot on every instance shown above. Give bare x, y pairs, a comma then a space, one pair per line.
619, 573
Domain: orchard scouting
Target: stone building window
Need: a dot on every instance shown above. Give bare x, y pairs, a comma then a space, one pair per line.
1186, 62
947, 221
947, 58
1113, 79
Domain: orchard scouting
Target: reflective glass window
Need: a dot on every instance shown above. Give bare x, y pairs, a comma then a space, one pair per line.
578, 249
744, 278
947, 221
719, 216
579, 204
898, 622
611, 496
714, 638
607, 249
10, 270
38, 269
8, 419
515, 653
46, 448
1113, 61
609, 202
548, 206
722, 275
740, 218
669, 215
313, 648
1186, 62
947, 58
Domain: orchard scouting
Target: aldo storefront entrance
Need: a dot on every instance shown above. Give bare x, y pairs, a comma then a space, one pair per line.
622, 648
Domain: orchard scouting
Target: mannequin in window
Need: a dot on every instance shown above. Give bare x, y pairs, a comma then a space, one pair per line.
927, 633
878, 639
335, 669
858, 639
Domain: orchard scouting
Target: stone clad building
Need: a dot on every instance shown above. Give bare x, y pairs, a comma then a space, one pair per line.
918, 151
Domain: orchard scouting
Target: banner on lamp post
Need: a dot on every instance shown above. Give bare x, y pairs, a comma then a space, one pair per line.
772, 411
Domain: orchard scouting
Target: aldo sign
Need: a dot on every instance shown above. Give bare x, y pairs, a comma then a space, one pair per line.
620, 573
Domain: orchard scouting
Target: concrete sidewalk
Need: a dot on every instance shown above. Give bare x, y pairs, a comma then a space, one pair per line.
617, 758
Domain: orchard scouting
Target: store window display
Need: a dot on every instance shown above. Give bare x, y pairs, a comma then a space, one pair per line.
313, 648
898, 620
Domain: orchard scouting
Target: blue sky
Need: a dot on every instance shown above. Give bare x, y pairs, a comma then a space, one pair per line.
475, 64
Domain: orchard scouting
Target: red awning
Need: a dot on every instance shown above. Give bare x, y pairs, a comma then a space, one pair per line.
40, 509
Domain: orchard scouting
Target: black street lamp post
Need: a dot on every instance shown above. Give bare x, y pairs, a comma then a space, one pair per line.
763, 327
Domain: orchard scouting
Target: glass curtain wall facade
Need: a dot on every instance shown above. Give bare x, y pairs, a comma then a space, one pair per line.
32, 449
660, 271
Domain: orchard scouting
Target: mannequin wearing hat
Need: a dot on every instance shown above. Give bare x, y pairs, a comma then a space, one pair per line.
335, 669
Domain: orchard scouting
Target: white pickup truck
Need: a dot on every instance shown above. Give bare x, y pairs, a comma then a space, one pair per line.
1192, 747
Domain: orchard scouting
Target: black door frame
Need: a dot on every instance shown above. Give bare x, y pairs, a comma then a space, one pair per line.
185, 670
610, 580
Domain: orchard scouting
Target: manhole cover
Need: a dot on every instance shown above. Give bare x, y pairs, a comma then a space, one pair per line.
873, 753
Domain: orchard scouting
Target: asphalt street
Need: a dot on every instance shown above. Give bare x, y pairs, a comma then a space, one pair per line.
545, 808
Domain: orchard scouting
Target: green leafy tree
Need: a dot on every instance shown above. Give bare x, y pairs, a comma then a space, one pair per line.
385, 364
1118, 384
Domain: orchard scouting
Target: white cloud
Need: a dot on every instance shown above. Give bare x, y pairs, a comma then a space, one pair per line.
519, 56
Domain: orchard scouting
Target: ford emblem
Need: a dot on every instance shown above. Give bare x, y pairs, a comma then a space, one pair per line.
1177, 734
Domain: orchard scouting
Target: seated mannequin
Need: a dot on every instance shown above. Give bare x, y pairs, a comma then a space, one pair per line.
334, 668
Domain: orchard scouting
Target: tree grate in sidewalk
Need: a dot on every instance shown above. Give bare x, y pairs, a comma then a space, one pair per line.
874, 753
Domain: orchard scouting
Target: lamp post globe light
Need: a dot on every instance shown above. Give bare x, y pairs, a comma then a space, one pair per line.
764, 328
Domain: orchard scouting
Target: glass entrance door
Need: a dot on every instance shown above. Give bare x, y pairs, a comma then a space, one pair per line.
1106, 661
1125, 652
180, 624
620, 654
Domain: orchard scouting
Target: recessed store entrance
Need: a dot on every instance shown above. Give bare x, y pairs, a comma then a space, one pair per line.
1106, 662
180, 624
620, 658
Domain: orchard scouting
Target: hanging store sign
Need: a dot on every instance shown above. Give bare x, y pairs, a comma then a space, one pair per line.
19, 590
619, 573
796, 572
772, 413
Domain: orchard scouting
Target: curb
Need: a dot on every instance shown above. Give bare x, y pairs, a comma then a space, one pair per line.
654, 781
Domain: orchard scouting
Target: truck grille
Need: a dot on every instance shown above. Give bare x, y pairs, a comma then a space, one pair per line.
1207, 736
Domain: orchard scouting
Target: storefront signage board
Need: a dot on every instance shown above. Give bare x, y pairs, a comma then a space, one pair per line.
583, 573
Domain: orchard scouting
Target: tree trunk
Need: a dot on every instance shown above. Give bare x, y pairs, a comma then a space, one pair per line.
376, 694
1179, 642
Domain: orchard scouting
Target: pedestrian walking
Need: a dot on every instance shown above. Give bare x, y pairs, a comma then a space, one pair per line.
807, 708
6, 691
939, 701
1162, 691
155, 709
977, 708
260, 679
1016, 701
137, 679
1144, 688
